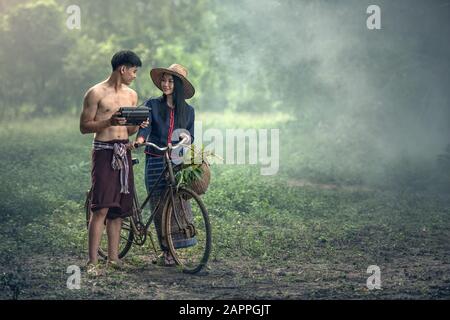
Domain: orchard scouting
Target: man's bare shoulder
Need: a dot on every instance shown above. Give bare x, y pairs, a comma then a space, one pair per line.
96, 92
133, 94
131, 91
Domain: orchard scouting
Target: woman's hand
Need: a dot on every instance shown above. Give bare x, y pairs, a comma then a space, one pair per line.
187, 136
139, 141
144, 124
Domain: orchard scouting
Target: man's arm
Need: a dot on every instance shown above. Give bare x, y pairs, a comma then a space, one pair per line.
87, 122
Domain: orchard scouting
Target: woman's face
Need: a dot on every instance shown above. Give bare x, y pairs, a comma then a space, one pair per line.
167, 84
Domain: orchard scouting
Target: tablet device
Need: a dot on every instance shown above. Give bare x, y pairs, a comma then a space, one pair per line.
134, 115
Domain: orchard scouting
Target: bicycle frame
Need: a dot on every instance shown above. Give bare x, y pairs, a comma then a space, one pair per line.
167, 169
171, 187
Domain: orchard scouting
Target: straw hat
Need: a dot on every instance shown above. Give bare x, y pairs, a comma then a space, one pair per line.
176, 70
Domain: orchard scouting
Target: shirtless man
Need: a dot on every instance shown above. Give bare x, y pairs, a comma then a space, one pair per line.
112, 171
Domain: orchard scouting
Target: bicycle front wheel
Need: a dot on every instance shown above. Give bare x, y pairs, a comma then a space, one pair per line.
187, 230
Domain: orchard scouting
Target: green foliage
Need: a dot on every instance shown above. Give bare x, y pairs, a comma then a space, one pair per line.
32, 56
54, 66
354, 102
191, 170
188, 174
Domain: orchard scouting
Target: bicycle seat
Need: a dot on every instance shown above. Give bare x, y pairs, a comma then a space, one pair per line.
134, 161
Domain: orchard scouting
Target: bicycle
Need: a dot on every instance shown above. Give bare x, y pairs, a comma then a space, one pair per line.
183, 214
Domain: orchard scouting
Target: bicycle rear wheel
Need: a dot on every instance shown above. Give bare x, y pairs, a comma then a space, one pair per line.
126, 233
187, 230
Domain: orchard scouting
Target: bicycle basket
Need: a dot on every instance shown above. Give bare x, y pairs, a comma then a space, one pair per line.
200, 185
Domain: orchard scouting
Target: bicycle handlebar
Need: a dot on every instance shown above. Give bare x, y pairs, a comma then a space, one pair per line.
178, 145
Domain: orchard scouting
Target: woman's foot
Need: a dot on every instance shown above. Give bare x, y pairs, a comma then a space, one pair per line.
165, 259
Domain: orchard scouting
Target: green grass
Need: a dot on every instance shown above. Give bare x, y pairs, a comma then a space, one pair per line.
232, 120
263, 220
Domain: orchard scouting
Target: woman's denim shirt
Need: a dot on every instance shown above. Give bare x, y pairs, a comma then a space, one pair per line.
159, 128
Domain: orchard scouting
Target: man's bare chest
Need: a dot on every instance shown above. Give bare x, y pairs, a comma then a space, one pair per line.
112, 102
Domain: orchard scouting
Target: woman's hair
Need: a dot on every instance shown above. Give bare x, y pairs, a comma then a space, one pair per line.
179, 102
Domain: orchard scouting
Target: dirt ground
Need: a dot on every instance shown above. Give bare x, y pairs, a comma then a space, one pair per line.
44, 277
415, 265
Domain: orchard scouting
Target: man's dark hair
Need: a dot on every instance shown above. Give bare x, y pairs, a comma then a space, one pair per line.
125, 57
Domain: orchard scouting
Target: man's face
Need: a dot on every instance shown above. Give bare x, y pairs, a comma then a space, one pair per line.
128, 74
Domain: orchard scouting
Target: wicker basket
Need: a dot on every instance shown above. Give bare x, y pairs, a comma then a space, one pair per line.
200, 186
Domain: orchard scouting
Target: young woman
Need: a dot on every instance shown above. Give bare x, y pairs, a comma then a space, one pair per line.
169, 112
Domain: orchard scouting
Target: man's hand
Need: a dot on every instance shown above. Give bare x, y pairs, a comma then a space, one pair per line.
144, 124
117, 121
139, 140
131, 146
